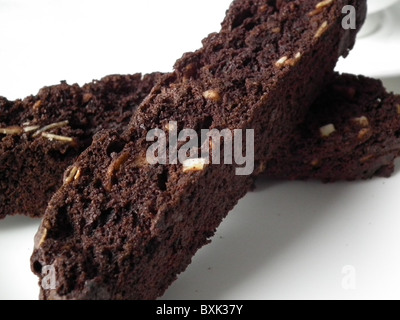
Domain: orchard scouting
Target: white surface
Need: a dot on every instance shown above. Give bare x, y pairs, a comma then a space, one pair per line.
286, 240
377, 55
378, 5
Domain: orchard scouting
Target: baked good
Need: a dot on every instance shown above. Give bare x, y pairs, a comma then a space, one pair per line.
42, 135
307, 156
351, 132
125, 228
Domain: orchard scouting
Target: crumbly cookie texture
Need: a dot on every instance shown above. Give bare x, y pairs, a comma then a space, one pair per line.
41, 136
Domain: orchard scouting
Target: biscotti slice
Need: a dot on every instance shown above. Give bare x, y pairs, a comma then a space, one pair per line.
351, 132
125, 228
43, 134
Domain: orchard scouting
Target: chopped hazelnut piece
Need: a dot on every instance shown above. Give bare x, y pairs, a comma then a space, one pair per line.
51, 127
30, 128
87, 97
263, 8
324, 4
315, 163
293, 61
212, 95
194, 165
71, 175
77, 175
327, 130
364, 133
367, 158
113, 168
117, 164
261, 167
142, 162
320, 7
362, 121
40, 237
281, 62
56, 137
170, 126
11, 130
37, 105
276, 30
322, 29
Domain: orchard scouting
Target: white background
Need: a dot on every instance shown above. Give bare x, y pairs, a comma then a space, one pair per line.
286, 240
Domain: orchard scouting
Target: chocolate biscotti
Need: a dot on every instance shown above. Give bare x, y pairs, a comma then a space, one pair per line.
125, 227
43, 134
351, 132
309, 155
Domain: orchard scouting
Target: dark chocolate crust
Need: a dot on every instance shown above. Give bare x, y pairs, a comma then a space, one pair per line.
124, 229
365, 141
32, 165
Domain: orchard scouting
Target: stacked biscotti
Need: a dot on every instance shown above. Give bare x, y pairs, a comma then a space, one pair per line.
358, 117
351, 132
124, 228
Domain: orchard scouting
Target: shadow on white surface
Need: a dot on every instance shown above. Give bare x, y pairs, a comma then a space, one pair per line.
259, 237
285, 240
17, 222
397, 168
